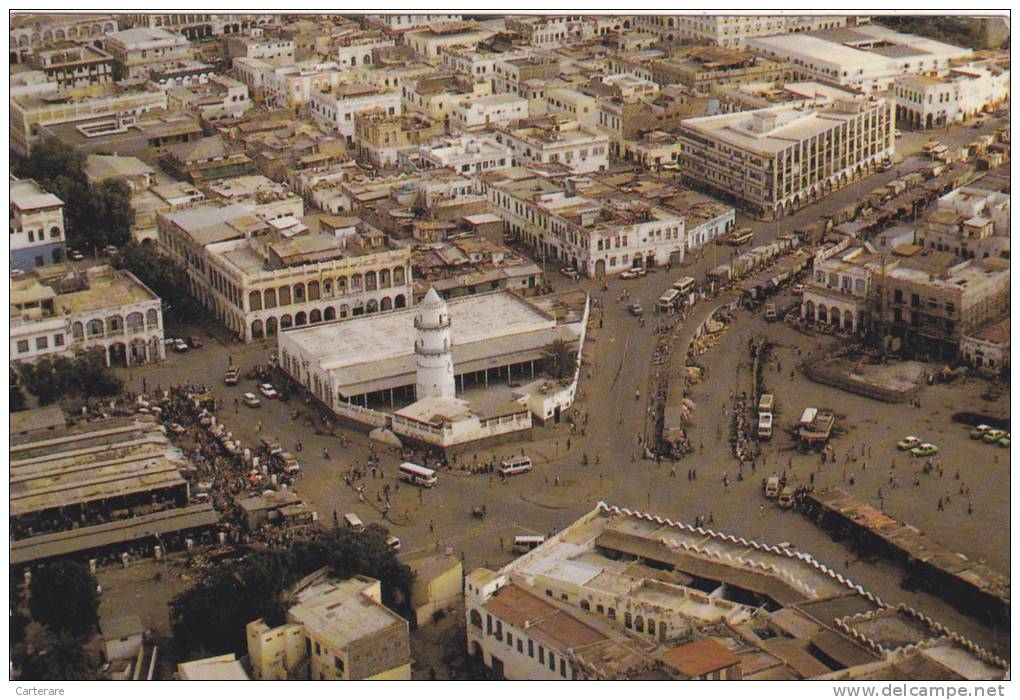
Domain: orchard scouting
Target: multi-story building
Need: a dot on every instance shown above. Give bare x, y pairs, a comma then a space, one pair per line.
337, 107
182, 74
334, 630
480, 63
401, 23
258, 281
429, 42
839, 293
573, 105
777, 160
37, 226
555, 140
436, 95
200, 25
988, 349
32, 32
933, 101
359, 50
597, 236
73, 64
53, 313
205, 159
969, 222
138, 51
867, 58
274, 50
627, 118
548, 30
288, 86
930, 300
702, 68
380, 138
513, 74
147, 137
732, 31
30, 113
466, 154
483, 113
218, 99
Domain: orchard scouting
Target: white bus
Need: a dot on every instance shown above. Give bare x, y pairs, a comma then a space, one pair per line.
417, 474
684, 285
667, 302
515, 465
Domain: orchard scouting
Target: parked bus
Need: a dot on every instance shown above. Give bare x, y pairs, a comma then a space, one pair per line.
417, 475
515, 465
353, 522
526, 543
668, 301
684, 285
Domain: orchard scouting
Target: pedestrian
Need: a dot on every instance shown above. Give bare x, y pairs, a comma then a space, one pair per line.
940, 505
568, 444
432, 526
258, 427
325, 454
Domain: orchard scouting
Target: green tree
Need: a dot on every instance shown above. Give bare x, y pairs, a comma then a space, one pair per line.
60, 657
51, 378
63, 597
163, 276
108, 215
18, 401
558, 359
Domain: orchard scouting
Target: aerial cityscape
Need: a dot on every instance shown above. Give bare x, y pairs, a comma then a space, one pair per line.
509, 347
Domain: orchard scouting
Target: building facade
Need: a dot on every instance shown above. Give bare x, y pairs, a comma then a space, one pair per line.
37, 234
932, 101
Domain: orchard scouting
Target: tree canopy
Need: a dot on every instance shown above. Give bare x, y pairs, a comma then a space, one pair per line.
63, 597
163, 276
93, 216
52, 377
558, 359
60, 657
211, 615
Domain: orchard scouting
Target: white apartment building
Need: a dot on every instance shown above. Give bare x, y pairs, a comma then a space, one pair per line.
557, 141
840, 287
969, 222
597, 237
775, 161
275, 50
220, 98
258, 282
466, 154
137, 52
480, 65
574, 105
483, 113
867, 58
401, 23
336, 107
292, 85
436, 95
429, 42
104, 308
932, 101
37, 235
732, 30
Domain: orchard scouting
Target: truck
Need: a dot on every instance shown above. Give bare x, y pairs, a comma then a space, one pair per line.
764, 426
772, 487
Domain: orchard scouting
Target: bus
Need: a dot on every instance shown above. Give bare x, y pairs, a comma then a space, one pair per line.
353, 522
668, 301
526, 543
515, 465
740, 237
684, 285
417, 475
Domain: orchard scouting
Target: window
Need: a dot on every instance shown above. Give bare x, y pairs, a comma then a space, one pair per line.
22, 346
338, 664
520, 646
552, 661
509, 640
541, 654
58, 340
318, 650
41, 343
563, 668
531, 648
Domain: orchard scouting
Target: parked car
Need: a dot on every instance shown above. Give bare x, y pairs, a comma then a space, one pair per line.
75, 255
194, 341
571, 273
925, 449
909, 442
393, 543
898, 133
994, 435
269, 391
979, 431
1004, 441
635, 309
251, 401
180, 345
630, 274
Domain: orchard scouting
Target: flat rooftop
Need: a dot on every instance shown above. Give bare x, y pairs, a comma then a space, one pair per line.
340, 612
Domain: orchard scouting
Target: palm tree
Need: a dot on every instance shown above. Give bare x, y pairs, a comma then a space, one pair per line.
558, 359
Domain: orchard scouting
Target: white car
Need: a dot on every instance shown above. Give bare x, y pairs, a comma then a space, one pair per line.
180, 345
269, 391
630, 274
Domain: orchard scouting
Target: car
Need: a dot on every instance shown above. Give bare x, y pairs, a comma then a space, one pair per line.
570, 273
798, 289
978, 432
180, 345
232, 375
994, 435
110, 250
886, 166
393, 543
908, 442
898, 133
635, 309
1004, 441
269, 391
75, 255
630, 274
169, 342
194, 341
925, 449
15, 272
251, 401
